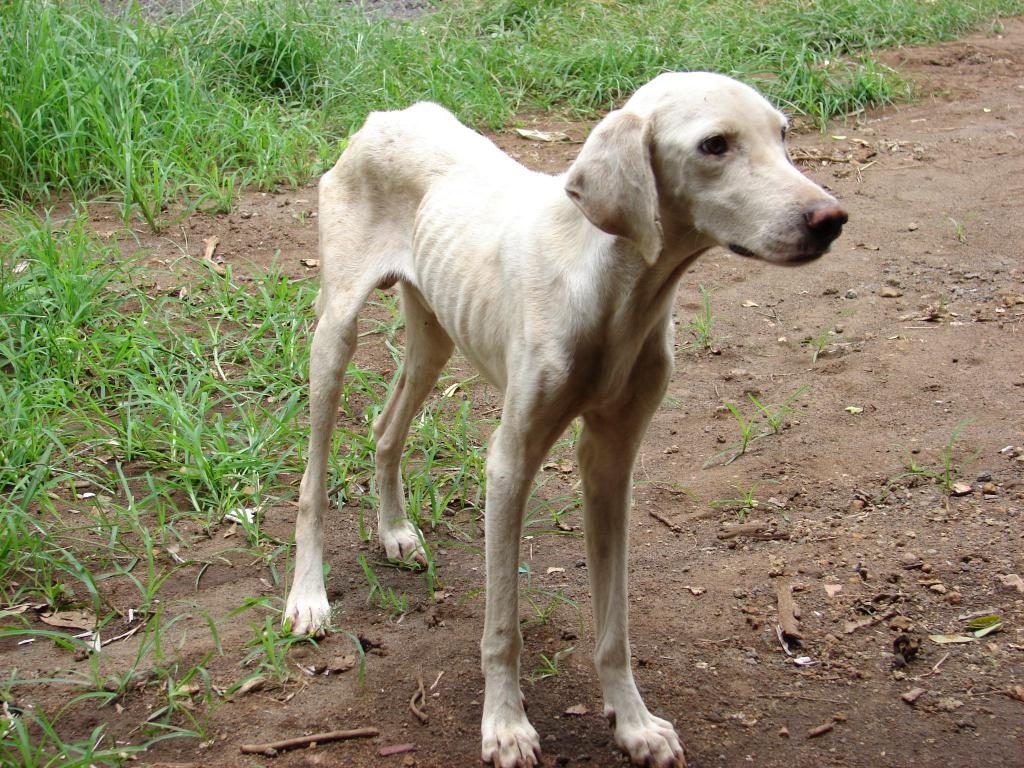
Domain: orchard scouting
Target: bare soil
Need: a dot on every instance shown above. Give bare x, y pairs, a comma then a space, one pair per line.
924, 298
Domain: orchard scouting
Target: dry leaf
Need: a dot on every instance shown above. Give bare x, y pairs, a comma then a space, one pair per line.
310, 262
70, 619
748, 303
548, 136
251, 685
948, 639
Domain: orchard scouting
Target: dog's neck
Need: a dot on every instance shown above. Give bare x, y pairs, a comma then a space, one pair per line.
618, 300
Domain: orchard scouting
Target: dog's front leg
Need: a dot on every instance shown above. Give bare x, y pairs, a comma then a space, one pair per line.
308, 610
508, 739
607, 449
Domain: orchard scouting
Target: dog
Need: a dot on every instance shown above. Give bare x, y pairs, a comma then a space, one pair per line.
559, 289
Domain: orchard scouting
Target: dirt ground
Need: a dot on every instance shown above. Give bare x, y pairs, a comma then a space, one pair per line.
916, 317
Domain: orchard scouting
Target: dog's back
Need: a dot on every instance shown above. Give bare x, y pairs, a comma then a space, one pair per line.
399, 154
370, 199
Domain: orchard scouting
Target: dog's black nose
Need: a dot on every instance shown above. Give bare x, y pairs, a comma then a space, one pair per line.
825, 223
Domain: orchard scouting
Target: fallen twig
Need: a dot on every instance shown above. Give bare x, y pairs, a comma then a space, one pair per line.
437, 679
934, 670
396, 749
272, 748
123, 635
853, 626
418, 701
820, 730
665, 521
742, 529
752, 529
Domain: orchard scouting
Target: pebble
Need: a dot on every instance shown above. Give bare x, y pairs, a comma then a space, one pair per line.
912, 695
851, 294
909, 558
960, 489
889, 292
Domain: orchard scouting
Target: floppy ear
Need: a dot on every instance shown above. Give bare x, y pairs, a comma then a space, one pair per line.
612, 182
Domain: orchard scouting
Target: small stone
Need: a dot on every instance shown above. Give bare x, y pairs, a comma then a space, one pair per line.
1012, 581
913, 226
851, 294
901, 624
890, 292
784, 732
926, 567
990, 489
912, 695
910, 559
938, 588
954, 598
960, 489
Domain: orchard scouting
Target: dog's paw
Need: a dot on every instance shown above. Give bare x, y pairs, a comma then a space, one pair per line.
650, 741
510, 744
307, 612
402, 544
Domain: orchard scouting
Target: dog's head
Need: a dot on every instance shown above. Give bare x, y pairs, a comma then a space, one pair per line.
704, 154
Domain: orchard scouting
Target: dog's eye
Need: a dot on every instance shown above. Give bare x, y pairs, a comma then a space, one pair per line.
714, 145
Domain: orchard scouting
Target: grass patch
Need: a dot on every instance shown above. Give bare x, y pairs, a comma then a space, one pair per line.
189, 109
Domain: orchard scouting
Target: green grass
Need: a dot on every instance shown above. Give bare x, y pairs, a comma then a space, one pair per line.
190, 109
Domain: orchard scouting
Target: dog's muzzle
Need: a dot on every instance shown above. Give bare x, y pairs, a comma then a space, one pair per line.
820, 227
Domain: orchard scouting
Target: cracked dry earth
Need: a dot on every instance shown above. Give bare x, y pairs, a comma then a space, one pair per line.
911, 327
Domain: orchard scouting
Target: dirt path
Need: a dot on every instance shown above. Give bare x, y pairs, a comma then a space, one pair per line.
916, 319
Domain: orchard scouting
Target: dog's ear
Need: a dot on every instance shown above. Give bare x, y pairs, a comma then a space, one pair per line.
612, 182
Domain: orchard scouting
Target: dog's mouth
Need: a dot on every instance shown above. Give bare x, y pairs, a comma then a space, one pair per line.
792, 259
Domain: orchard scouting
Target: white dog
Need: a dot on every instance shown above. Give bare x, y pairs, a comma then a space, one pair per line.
559, 289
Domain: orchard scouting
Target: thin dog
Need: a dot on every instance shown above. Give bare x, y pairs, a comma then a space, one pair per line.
559, 289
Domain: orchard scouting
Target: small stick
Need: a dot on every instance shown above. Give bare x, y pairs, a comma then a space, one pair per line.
934, 670
665, 521
742, 529
820, 730
397, 749
421, 696
272, 748
853, 626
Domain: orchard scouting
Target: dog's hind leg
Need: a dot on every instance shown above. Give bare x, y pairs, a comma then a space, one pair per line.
607, 449
427, 349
